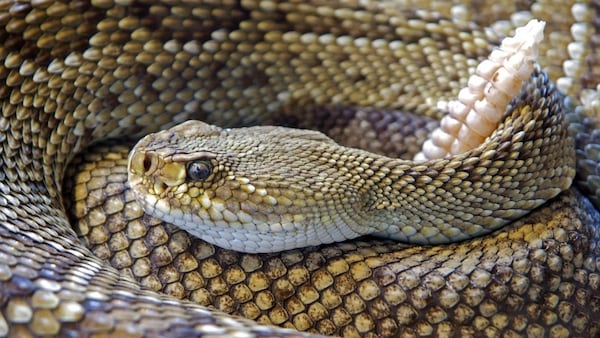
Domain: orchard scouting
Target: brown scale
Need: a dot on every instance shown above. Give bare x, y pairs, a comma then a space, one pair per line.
391, 133
360, 288
103, 69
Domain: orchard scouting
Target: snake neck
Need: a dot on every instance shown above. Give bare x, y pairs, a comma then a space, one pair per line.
515, 170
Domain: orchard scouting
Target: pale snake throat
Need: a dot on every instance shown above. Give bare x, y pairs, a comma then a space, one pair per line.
91, 263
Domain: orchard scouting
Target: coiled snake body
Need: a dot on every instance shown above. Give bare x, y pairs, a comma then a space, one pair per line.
77, 72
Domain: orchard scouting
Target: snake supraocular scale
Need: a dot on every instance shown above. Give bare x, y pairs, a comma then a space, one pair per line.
75, 72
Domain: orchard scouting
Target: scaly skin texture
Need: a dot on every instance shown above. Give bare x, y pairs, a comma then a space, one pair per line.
76, 72
268, 189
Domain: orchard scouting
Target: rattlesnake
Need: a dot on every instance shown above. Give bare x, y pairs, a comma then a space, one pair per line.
77, 72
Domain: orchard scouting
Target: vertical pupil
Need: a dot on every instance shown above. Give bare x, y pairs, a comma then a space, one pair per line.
200, 169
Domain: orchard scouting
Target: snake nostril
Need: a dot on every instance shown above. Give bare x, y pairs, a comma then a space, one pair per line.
147, 162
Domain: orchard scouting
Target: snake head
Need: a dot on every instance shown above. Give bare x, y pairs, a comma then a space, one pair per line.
258, 189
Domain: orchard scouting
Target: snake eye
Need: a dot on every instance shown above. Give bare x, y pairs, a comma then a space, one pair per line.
199, 170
